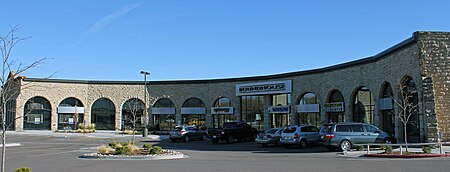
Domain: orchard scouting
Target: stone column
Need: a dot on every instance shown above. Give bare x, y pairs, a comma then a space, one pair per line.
267, 119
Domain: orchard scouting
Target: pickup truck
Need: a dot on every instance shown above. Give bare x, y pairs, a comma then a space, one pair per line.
231, 131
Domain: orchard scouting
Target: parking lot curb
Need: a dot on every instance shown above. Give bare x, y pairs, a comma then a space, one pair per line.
95, 156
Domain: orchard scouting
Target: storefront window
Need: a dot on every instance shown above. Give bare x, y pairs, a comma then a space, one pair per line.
279, 120
164, 120
70, 114
387, 115
363, 106
37, 114
219, 119
103, 114
132, 114
252, 111
338, 116
310, 118
194, 117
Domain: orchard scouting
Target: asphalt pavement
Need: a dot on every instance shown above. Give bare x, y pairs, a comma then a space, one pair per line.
50, 152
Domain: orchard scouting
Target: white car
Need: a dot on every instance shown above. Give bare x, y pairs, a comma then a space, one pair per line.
301, 135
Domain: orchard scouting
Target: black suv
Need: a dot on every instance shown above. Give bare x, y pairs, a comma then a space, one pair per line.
231, 131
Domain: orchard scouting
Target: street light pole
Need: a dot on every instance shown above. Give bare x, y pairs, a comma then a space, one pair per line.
145, 132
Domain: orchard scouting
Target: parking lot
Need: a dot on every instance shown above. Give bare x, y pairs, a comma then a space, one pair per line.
48, 153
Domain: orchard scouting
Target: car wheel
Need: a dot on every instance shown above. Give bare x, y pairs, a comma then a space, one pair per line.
303, 143
215, 141
345, 145
230, 139
205, 137
187, 138
253, 138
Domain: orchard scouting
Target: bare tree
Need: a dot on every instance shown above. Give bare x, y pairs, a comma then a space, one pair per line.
10, 82
407, 108
134, 109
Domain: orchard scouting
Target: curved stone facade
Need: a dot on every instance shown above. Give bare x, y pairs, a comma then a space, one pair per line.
424, 58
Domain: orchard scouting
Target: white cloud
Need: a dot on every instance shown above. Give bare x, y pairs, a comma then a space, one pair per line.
105, 21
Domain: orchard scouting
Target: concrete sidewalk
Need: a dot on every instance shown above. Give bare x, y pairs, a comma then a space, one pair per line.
354, 153
97, 134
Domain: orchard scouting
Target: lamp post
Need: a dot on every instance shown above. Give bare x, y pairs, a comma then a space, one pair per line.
145, 132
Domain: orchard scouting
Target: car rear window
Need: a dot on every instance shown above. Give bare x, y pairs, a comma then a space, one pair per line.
326, 128
271, 131
289, 130
177, 129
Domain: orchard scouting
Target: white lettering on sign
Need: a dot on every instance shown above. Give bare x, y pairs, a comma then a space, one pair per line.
222, 110
333, 107
262, 88
279, 109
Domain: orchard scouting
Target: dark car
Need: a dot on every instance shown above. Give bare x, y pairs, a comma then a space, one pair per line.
186, 133
345, 135
231, 131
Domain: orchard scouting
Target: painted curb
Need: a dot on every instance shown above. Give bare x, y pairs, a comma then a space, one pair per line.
407, 156
121, 157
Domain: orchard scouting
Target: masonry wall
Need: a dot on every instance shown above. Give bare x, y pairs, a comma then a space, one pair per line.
392, 68
435, 63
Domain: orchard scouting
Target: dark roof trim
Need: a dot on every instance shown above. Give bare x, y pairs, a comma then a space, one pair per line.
366, 60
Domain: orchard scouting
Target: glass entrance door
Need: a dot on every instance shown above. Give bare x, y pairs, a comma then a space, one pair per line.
279, 120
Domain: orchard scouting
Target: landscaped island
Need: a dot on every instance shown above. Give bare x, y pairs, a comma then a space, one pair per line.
127, 150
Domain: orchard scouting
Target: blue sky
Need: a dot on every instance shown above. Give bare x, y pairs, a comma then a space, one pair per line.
182, 39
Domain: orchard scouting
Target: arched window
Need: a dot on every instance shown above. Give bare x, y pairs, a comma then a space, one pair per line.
37, 114
132, 114
193, 112
222, 112
386, 107
335, 107
70, 114
363, 106
163, 112
309, 110
103, 114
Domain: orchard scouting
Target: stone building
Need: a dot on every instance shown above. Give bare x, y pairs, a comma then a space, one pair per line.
363, 90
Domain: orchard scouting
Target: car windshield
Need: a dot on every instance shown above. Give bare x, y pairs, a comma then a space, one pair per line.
289, 130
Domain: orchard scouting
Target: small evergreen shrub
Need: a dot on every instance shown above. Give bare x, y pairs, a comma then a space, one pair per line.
426, 150
155, 150
388, 149
23, 169
147, 146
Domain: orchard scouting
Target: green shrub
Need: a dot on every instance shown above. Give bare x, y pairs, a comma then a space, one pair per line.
147, 146
388, 149
23, 169
81, 126
125, 150
426, 150
359, 147
155, 150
